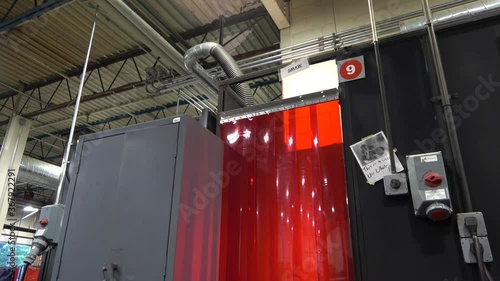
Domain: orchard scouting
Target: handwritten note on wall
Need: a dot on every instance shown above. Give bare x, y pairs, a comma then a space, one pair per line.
372, 154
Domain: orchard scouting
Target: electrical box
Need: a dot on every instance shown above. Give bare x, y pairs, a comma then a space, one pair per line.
143, 203
395, 184
50, 223
466, 237
429, 186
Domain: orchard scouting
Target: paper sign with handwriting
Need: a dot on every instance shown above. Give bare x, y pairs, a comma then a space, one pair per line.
372, 154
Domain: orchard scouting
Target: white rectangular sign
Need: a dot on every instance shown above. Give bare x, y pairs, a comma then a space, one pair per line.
439, 194
428, 159
295, 67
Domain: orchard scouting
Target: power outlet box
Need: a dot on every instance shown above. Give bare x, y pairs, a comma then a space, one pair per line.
481, 225
429, 186
395, 184
467, 241
53, 214
468, 246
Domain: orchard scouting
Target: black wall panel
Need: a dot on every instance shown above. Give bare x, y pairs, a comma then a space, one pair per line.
390, 242
471, 57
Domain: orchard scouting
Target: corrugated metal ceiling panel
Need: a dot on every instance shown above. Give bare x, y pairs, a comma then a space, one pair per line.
187, 14
20, 7
57, 41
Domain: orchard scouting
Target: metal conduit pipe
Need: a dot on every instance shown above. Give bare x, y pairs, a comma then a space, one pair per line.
313, 42
295, 56
196, 99
38, 172
354, 36
227, 63
284, 56
451, 14
189, 100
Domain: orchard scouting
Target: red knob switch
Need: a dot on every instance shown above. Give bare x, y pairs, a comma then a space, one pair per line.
44, 222
433, 179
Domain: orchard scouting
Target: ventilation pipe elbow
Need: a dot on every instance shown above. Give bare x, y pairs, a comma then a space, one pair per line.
227, 63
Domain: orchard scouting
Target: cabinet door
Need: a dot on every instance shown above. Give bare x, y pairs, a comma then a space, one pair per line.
142, 204
121, 208
86, 241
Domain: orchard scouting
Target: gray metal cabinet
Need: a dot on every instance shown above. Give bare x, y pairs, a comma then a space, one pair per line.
121, 212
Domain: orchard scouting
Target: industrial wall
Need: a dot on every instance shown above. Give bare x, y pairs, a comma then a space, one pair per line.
310, 19
390, 243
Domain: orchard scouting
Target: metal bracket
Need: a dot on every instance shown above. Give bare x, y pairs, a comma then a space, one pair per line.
438, 98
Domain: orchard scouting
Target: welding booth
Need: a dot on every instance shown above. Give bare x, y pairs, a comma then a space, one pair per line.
274, 191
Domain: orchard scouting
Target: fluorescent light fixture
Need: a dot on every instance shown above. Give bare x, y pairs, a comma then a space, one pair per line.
30, 209
318, 77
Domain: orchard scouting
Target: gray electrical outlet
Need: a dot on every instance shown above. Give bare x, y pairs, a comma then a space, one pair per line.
481, 225
52, 215
395, 184
429, 186
468, 246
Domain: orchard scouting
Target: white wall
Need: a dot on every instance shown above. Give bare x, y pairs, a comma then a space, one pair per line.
311, 19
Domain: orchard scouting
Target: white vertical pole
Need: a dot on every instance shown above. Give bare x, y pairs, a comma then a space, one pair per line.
10, 158
65, 160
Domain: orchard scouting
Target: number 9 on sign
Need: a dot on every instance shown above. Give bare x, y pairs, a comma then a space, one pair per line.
351, 69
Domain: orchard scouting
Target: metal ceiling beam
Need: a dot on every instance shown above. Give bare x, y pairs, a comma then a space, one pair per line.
124, 88
148, 12
87, 98
78, 71
245, 16
232, 20
29, 15
116, 118
276, 12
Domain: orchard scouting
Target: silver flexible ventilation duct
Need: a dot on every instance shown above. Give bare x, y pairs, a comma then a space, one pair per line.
227, 63
38, 173
470, 9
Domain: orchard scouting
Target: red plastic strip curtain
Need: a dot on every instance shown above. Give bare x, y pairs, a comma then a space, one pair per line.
284, 208
31, 274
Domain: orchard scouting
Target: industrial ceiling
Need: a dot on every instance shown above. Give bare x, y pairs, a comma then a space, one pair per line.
44, 46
